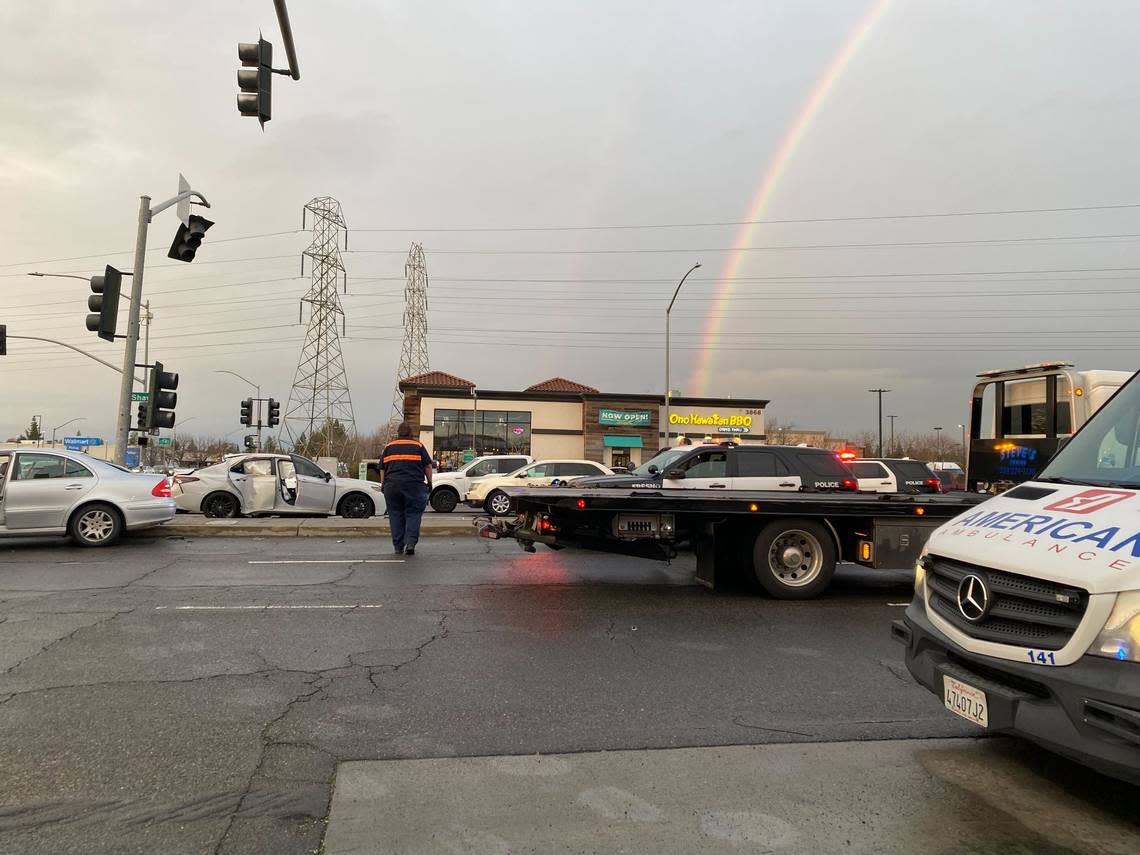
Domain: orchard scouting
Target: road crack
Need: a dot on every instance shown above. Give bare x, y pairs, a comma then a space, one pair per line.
68, 637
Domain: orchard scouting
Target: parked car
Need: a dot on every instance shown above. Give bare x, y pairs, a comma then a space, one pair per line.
449, 488
271, 484
727, 466
487, 492
952, 476
68, 493
895, 475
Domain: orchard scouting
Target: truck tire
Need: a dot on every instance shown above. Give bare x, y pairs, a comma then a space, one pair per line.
794, 559
444, 500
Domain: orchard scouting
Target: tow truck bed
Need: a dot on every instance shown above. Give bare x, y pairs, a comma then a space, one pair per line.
734, 531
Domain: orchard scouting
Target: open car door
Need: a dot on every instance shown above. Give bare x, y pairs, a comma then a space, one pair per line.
256, 482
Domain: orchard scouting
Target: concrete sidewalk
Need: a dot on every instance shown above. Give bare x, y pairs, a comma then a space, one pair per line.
195, 525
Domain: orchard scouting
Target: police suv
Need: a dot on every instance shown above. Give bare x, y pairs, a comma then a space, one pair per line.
725, 466
1026, 615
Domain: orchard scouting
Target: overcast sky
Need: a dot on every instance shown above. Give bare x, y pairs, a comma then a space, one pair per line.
428, 116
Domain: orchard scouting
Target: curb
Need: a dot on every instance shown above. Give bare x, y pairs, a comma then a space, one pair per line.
302, 528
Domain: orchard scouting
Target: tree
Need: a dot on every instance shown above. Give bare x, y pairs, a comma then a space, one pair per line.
33, 431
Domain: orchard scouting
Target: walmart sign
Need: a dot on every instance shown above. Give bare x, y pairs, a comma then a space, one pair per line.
632, 418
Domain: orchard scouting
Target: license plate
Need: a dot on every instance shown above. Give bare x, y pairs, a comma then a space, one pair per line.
965, 701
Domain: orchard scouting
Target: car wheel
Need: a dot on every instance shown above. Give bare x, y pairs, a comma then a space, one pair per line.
794, 559
356, 506
498, 504
95, 525
443, 500
220, 506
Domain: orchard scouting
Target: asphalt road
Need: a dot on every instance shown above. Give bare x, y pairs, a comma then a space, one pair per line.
187, 696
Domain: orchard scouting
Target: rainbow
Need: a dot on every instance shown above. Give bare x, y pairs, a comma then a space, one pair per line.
777, 168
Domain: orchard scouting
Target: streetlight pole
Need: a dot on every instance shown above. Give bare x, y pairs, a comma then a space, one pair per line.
65, 424
130, 351
965, 453
668, 392
938, 433
880, 393
892, 418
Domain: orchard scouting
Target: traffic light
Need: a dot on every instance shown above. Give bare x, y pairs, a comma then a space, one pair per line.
247, 412
274, 413
255, 79
143, 415
188, 239
251, 441
3, 339
104, 303
161, 401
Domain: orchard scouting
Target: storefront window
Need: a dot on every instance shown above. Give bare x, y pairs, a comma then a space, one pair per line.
480, 432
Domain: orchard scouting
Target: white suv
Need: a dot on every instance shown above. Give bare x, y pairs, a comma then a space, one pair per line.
447, 487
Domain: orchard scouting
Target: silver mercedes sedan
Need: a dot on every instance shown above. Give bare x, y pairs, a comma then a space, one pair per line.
261, 484
50, 492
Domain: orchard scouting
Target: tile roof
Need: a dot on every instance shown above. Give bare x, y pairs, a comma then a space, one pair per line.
436, 378
561, 384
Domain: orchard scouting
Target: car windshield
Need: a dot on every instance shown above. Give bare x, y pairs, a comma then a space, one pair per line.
662, 460
1106, 451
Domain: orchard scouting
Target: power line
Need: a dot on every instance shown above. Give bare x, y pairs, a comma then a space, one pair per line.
716, 223
1070, 239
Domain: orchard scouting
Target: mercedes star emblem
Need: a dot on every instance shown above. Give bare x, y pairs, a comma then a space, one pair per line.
973, 598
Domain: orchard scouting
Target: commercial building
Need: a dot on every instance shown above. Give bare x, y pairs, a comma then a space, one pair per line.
562, 418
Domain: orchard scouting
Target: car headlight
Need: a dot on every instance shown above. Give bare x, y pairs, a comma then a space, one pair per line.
1120, 638
920, 573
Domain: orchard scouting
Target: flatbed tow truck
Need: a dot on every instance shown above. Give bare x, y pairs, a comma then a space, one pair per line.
789, 543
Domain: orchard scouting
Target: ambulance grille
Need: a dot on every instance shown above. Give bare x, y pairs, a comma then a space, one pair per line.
1023, 611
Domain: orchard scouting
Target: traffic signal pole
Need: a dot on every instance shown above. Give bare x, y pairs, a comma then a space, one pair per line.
130, 352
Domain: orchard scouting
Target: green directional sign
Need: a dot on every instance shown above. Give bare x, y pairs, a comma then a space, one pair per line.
165, 441
140, 396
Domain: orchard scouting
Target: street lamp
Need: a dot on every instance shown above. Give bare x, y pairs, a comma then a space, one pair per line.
65, 424
880, 393
938, 433
964, 452
668, 391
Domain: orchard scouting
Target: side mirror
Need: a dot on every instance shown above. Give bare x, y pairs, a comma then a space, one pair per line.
521, 475
328, 477
653, 470
675, 474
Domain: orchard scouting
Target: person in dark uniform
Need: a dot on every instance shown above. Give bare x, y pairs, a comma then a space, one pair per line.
405, 476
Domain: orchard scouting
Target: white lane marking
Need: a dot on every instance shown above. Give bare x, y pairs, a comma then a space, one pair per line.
332, 561
898, 604
345, 607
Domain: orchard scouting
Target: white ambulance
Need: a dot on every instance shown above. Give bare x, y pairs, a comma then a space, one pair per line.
1026, 616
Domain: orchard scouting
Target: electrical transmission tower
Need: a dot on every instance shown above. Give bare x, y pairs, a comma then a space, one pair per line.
414, 352
318, 418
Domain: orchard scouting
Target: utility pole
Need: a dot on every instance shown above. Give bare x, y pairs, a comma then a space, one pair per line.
130, 351
880, 393
147, 318
892, 418
938, 433
668, 391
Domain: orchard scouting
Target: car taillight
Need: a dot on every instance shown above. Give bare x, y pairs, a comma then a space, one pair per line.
161, 489
849, 484
546, 526
935, 483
